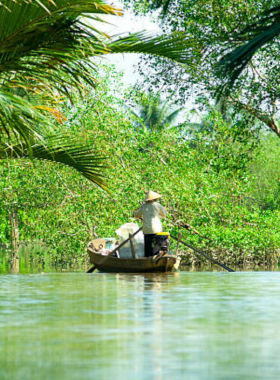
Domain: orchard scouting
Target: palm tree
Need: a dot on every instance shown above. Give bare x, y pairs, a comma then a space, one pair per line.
155, 113
45, 55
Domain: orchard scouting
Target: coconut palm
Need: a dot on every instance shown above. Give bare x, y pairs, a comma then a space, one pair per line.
155, 113
46, 50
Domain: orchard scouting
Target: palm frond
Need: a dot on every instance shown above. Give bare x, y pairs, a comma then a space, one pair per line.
177, 46
49, 40
258, 34
60, 149
43, 47
45, 51
157, 114
173, 115
19, 119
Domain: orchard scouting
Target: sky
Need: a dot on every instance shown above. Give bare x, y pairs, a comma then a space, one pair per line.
127, 23
127, 63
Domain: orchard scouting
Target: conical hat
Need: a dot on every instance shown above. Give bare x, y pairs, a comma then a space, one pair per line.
151, 195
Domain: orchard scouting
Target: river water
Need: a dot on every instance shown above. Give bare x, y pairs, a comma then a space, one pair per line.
186, 325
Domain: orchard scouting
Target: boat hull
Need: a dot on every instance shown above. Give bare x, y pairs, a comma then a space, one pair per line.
165, 263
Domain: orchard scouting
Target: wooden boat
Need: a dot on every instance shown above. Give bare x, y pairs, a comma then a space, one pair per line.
163, 262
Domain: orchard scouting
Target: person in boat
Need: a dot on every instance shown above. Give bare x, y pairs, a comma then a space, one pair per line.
151, 212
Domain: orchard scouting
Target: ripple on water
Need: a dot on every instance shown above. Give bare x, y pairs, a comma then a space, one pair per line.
188, 325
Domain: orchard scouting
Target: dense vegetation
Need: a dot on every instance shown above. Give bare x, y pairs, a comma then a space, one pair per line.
221, 185
46, 56
256, 87
217, 168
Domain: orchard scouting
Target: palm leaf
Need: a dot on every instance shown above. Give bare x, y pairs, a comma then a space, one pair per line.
173, 115
59, 149
45, 51
177, 46
258, 34
156, 113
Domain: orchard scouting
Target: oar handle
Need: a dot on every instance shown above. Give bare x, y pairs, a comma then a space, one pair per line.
203, 254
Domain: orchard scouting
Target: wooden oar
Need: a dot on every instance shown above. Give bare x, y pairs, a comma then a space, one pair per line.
114, 250
204, 254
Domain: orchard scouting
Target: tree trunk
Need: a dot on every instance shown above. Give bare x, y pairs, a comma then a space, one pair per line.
13, 219
261, 115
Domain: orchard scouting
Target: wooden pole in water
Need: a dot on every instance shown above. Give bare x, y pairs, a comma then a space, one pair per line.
204, 255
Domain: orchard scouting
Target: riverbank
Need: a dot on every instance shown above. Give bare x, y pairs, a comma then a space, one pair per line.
36, 259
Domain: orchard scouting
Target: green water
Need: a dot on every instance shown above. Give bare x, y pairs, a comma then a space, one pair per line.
187, 325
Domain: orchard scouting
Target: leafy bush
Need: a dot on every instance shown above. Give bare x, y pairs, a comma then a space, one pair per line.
207, 188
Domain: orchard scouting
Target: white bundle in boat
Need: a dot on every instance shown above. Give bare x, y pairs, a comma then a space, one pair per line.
137, 241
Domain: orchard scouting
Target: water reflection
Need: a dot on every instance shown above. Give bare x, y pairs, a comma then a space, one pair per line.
147, 291
153, 326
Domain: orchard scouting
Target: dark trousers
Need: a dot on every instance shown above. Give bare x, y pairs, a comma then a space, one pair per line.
148, 239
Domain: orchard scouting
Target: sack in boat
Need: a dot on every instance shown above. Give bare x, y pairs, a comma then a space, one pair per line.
137, 241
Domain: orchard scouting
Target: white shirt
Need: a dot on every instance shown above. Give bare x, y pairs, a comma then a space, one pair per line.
151, 213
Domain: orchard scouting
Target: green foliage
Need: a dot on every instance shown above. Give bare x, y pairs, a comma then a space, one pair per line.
153, 112
264, 29
46, 50
207, 180
225, 141
265, 175
256, 89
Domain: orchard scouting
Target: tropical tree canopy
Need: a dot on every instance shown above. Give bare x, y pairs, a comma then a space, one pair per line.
45, 51
154, 112
262, 31
256, 85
